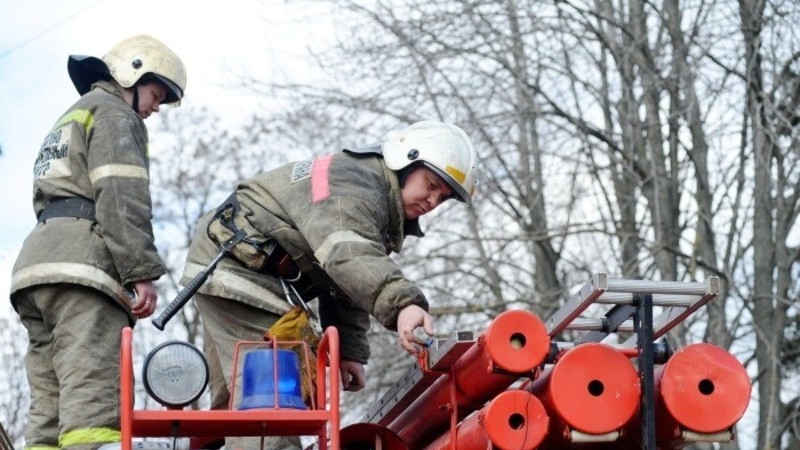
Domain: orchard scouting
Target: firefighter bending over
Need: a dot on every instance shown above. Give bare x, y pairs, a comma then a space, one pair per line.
338, 217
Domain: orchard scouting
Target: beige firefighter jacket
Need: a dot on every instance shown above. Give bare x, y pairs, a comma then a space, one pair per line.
98, 151
344, 212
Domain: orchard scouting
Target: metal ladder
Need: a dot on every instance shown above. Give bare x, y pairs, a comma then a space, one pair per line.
631, 310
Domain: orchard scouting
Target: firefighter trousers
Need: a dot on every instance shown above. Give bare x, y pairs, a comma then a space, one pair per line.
72, 365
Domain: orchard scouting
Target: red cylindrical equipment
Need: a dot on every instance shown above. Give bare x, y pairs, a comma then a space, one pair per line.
592, 389
702, 389
705, 388
514, 344
514, 420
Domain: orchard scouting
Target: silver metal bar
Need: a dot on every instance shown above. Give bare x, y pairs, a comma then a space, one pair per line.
586, 324
660, 327
626, 298
627, 327
570, 345
662, 324
415, 381
399, 396
581, 437
701, 288
444, 354
722, 436
588, 293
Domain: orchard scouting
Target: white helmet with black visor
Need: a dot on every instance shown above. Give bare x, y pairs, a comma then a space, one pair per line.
440, 146
136, 59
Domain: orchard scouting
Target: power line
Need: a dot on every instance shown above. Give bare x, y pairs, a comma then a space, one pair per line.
48, 29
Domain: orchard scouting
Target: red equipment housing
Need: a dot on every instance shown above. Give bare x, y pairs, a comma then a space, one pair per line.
514, 420
592, 389
702, 391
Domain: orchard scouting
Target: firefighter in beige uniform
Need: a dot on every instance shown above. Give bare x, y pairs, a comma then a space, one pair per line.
87, 268
338, 217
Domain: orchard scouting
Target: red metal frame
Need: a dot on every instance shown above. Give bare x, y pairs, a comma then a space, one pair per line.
320, 422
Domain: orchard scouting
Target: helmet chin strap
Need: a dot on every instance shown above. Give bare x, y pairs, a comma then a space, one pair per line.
135, 102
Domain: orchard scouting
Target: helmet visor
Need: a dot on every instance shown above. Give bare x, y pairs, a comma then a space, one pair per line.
459, 192
174, 92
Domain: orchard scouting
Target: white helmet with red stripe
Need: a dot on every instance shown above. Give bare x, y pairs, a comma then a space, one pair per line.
441, 146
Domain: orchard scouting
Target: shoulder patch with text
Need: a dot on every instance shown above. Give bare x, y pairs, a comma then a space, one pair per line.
52, 160
301, 171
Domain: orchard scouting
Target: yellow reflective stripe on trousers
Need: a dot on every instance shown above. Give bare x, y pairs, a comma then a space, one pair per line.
41, 447
89, 436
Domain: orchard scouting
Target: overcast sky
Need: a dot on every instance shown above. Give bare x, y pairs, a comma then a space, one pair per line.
267, 38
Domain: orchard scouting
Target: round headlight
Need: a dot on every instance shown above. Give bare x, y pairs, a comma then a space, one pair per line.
175, 374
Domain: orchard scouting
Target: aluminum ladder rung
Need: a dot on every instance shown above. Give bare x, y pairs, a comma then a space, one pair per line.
585, 324
679, 298
626, 298
696, 288
588, 324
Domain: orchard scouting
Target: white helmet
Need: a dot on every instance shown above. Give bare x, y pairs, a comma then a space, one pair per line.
443, 147
130, 61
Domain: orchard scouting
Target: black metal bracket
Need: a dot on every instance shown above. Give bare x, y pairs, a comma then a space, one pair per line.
643, 326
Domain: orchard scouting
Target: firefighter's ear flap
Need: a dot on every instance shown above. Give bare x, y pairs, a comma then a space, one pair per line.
84, 70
